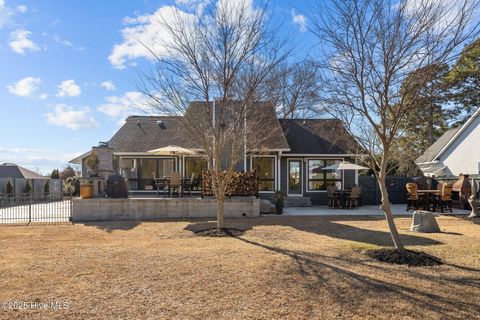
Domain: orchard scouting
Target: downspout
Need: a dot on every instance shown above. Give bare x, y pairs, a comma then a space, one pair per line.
279, 175
213, 124
245, 142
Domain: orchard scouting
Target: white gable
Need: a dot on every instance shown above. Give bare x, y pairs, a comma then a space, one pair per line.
462, 155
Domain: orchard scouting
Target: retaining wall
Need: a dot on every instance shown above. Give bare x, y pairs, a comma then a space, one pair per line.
102, 209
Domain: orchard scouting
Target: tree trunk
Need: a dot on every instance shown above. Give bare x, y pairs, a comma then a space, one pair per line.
220, 210
386, 208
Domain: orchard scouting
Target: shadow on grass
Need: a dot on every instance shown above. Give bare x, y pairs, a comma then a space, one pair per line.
110, 226
330, 226
350, 288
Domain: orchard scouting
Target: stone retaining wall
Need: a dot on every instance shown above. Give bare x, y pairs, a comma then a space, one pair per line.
153, 208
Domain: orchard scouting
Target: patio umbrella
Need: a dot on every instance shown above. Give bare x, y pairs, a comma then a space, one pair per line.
172, 150
345, 165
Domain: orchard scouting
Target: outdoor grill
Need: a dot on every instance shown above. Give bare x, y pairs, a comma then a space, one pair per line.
461, 190
117, 187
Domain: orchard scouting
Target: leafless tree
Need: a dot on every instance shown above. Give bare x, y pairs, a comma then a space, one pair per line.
211, 75
370, 47
294, 89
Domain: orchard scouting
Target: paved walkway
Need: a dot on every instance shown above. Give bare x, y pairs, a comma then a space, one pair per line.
397, 209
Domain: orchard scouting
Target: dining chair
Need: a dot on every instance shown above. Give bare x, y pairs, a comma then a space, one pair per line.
174, 184
413, 199
160, 184
446, 198
187, 185
333, 198
353, 200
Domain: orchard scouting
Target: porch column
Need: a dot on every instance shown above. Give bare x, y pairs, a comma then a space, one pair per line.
278, 184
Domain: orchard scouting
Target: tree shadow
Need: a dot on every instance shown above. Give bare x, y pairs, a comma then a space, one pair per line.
330, 226
350, 288
110, 226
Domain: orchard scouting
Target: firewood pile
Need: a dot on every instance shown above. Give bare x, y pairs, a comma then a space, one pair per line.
241, 184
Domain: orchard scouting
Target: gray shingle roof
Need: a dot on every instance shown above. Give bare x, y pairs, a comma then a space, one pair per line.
13, 171
318, 136
143, 133
430, 154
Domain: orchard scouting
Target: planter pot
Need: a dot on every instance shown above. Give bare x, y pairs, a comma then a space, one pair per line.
279, 209
86, 190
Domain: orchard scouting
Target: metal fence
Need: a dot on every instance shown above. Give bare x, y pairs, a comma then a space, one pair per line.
26, 209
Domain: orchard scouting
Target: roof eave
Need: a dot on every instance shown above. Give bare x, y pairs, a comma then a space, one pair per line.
458, 133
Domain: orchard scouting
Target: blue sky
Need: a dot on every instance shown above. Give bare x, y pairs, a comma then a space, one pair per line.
68, 71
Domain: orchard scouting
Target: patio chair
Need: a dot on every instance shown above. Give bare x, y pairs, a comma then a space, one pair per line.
353, 200
187, 185
333, 199
174, 184
412, 200
160, 184
446, 198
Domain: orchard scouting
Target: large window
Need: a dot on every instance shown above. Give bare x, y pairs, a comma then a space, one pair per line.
266, 172
150, 168
193, 170
319, 179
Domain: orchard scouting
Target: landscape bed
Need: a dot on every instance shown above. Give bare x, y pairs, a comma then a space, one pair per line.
280, 267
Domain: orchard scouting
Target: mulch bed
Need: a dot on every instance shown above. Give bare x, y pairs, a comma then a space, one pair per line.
475, 220
223, 232
404, 256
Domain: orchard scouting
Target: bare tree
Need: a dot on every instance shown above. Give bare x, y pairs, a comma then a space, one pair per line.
211, 75
370, 47
294, 88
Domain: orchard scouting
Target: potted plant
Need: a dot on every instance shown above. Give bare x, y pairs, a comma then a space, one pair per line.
92, 163
86, 189
279, 197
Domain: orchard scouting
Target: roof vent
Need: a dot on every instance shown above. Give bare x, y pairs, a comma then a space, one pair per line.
161, 124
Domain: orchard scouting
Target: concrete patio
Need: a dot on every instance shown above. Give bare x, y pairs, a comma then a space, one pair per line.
398, 209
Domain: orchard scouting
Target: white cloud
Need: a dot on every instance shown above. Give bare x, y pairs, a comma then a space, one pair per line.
300, 20
25, 87
144, 32
66, 116
147, 31
43, 96
131, 102
20, 42
5, 14
36, 158
68, 88
22, 8
108, 85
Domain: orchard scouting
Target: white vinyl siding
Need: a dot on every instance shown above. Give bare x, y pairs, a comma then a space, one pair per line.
463, 155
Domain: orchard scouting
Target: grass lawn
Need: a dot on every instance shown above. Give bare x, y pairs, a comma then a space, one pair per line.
281, 267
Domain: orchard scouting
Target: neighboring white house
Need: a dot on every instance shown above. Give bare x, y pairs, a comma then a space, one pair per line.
456, 151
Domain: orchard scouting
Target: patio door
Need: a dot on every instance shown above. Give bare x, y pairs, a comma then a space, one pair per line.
295, 179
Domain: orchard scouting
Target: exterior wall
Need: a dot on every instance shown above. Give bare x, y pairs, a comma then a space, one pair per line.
463, 155
152, 209
317, 197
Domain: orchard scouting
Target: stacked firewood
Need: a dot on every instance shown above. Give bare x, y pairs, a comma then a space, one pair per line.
241, 184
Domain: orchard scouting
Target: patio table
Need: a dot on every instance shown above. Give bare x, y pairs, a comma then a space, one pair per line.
343, 196
166, 182
429, 198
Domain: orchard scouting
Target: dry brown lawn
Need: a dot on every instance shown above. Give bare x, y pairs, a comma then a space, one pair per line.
281, 268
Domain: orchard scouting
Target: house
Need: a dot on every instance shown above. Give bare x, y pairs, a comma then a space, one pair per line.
18, 177
291, 159
455, 152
